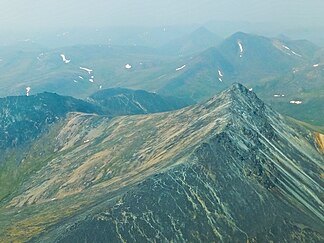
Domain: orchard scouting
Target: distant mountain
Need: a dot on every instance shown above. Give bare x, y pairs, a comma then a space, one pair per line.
202, 76
245, 58
256, 56
121, 101
280, 71
77, 71
271, 66
229, 169
195, 42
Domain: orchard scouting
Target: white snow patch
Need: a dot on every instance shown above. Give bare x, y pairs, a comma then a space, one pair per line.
128, 66
250, 89
91, 80
80, 77
287, 48
316, 65
180, 68
241, 48
75, 81
296, 102
220, 73
86, 141
86, 69
220, 79
28, 91
65, 60
100, 87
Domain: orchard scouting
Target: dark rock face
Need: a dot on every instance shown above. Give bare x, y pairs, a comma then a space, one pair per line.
120, 101
196, 203
25, 118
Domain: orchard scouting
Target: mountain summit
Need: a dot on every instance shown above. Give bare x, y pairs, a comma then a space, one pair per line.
228, 170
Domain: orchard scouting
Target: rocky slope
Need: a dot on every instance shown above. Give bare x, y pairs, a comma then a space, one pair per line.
23, 118
121, 101
227, 170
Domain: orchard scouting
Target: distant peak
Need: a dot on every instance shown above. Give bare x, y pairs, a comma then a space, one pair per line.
242, 36
202, 29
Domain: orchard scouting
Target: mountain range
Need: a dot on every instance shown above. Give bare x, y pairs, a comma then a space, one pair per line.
228, 169
193, 67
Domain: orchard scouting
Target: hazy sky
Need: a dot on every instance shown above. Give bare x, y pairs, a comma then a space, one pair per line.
36, 14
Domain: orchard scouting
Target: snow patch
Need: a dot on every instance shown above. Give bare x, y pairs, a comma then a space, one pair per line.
278, 95
241, 48
316, 65
250, 89
296, 102
180, 68
65, 60
86, 69
128, 66
91, 80
28, 91
220, 75
287, 48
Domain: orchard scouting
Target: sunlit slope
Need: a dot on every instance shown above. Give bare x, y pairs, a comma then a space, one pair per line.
228, 169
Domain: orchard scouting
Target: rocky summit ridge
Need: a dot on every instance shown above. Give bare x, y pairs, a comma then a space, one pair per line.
227, 170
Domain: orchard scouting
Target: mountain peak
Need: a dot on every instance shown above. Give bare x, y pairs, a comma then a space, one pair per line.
238, 92
238, 88
202, 30
241, 35
239, 103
